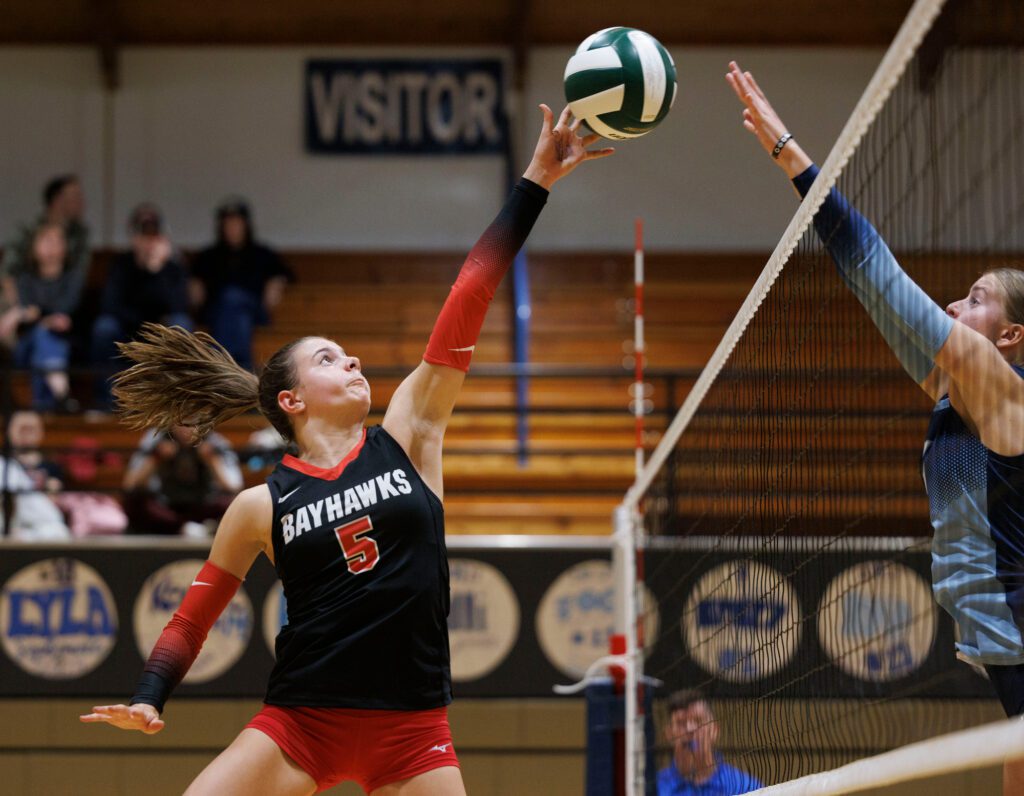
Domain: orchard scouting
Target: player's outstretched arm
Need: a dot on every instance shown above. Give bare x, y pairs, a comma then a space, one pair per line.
244, 532
913, 325
423, 403
941, 355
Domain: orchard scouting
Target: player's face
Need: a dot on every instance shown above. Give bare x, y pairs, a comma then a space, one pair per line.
329, 380
982, 308
693, 728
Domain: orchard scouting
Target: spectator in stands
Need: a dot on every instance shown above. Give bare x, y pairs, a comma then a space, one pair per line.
84, 513
237, 282
26, 433
174, 487
265, 448
63, 207
696, 768
47, 297
147, 283
30, 482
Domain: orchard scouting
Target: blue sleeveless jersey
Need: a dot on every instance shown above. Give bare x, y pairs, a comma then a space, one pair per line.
977, 510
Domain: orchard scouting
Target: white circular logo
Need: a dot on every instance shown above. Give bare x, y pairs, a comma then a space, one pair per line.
483, 623
877, 621
160, 597
59, 619
741, 621
275, 615
576, 617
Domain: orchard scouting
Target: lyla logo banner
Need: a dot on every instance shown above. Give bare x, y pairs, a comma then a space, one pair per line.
408, 106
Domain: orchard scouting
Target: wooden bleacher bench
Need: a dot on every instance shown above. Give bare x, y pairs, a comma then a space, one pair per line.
381, 307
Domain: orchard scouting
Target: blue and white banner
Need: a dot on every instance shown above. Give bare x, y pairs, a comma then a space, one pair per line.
80, 621
405, 106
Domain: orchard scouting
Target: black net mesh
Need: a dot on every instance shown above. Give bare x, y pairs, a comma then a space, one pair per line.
788, 560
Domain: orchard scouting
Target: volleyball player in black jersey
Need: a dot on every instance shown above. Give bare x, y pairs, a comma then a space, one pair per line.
355, 529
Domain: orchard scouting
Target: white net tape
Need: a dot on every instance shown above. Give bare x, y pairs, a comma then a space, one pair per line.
991, 744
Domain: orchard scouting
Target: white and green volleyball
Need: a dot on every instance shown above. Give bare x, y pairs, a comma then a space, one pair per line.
621, 82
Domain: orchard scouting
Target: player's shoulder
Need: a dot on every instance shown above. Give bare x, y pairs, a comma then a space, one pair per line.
252, 503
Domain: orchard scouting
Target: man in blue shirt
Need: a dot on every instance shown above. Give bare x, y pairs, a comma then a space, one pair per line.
696, 770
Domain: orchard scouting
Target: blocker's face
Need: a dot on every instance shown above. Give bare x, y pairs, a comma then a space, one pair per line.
328, 378
982, 308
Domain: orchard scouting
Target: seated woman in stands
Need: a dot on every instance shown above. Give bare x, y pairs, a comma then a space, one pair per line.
48, 296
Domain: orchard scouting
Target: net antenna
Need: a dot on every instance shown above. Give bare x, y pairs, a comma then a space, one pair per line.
628, 530
639, 350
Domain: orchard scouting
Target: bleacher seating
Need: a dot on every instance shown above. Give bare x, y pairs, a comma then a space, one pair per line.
579, 460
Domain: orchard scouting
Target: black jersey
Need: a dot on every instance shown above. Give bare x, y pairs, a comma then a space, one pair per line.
360, 551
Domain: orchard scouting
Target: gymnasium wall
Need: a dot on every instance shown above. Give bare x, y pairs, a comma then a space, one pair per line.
190, 125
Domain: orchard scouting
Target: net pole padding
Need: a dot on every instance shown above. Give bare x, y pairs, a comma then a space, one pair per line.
988, 745
638, 342
917, 23
638, 728
624, 575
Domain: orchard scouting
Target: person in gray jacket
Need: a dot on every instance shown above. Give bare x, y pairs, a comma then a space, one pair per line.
48, 295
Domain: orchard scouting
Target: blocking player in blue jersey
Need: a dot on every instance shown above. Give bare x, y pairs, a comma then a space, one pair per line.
968, 359
354, 527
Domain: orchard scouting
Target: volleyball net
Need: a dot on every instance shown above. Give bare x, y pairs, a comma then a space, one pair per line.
774, 552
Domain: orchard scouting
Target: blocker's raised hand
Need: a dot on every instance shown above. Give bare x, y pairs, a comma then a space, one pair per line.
760, 118
143, 718
561, 148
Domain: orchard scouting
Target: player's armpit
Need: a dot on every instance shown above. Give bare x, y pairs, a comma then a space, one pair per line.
418, 416
936, 383
985, 389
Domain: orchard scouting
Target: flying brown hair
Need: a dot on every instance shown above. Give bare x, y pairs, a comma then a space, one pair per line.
181, 378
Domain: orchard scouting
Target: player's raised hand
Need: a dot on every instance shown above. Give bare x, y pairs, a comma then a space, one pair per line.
760, 118
560, 148
144, 718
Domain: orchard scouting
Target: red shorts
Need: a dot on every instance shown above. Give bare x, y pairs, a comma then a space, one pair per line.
371, 747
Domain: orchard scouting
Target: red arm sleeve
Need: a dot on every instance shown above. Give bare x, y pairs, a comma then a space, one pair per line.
179, 644
458, 326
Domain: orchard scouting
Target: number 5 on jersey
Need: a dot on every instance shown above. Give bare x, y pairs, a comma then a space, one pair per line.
361, 553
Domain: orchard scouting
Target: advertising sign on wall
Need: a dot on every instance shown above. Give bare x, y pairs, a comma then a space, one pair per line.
59, 619
523, 618
404, 106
